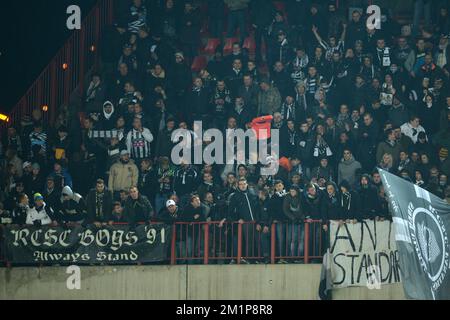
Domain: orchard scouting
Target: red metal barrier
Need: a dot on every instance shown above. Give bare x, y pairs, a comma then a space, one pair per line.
210, 242
67, 70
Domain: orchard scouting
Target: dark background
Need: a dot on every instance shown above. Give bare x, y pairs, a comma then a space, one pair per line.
31, 32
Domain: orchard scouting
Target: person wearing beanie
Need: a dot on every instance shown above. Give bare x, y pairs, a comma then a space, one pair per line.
40, 214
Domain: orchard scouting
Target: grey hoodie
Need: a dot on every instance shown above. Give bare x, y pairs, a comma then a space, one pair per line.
347, 171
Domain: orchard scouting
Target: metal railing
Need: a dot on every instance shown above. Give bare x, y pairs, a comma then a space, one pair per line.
67, 70
211, 242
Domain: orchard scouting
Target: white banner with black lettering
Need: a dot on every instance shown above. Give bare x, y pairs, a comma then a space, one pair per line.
363, 254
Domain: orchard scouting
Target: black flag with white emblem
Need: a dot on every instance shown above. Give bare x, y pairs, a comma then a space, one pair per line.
422, 225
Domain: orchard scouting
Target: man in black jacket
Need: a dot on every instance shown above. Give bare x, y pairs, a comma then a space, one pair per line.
262, 13
52, 194
99, 205
370, 208
243, 208
147, 181
278, 217
138, 208
197, 101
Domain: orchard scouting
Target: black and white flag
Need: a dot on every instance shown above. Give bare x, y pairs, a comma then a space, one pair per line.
422, 225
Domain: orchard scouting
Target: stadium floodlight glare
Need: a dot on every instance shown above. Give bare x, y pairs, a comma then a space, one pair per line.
4, 118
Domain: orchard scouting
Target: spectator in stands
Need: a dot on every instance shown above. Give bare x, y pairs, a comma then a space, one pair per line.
293, 211
348, 168
369, 197
139, 141
14, 195
331, 208
72, 208
117, 215
13, 159
269, 99
186, 179
350, 203
323, 171
243, 207
189, 30
264, 223
20, 212
389, 146
99, 205
236, 18
171, 213
138, 208
412, 128
35, 182
38, 141
278, 217
95, 94
123, 174
40, 214
61, 176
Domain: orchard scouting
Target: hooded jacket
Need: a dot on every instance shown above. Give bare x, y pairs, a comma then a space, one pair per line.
347, 170
123, 176
73, 209
107, 121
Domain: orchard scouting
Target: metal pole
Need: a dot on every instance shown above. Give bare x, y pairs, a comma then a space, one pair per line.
173, 251
273, 243
206, 244
306, 243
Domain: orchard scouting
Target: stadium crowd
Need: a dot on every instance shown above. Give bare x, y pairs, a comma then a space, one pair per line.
345, 98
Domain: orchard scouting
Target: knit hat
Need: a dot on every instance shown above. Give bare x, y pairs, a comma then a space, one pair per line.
443, 153
38, 197
36, 166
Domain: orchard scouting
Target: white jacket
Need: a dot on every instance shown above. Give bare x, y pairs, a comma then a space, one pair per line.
38, 215
408, 131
